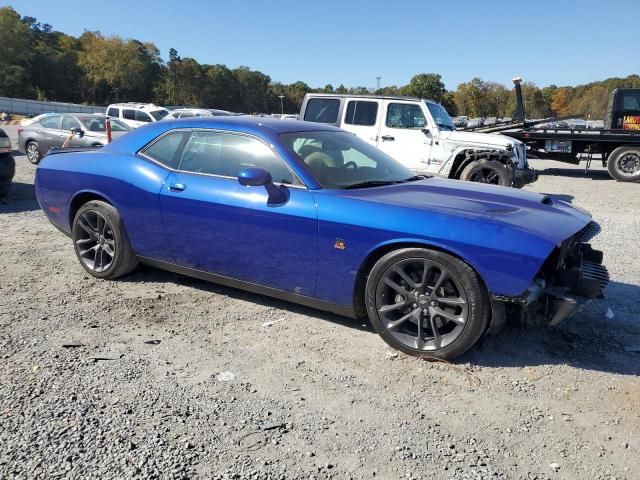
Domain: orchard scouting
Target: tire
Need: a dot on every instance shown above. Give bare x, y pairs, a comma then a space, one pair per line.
7, 171
7, 166
34, 155
624, 164
101, 242
487, 171
397, 313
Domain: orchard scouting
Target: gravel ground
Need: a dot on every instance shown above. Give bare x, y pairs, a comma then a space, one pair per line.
124, 379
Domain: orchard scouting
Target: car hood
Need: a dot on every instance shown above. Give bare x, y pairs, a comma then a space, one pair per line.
479, 139
541, 215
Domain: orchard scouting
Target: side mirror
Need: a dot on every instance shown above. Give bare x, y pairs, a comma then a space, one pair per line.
77, 131
254, 177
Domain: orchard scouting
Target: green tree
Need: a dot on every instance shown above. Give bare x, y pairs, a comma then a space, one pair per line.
16, 54
425, 85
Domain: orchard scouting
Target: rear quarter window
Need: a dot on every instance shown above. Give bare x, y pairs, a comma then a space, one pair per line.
322, 110
165, 149
113, 112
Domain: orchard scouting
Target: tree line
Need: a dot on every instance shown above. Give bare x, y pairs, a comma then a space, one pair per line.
37, 62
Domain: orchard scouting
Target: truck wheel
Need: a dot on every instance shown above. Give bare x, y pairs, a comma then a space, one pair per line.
624, 164
487, 171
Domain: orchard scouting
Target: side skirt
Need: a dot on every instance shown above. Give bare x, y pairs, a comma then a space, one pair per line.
338, 309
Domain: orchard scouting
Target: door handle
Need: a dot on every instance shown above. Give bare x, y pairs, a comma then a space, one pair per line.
387, 137
177, 187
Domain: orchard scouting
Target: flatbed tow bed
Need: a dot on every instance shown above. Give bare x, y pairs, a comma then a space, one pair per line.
619, 148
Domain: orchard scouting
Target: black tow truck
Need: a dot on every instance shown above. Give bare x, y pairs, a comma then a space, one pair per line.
618, 144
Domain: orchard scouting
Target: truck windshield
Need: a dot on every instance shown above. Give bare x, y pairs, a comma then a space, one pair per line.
342, 160
440, 116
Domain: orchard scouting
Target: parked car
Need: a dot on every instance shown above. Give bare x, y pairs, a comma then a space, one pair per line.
136, 114
315, 215
460, 122
223, 113
187, 113
421, 135
7, 164
51, 131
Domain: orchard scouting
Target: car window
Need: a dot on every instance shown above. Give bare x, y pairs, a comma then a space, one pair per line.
631, 101
322, 110
166, 149
340, 159
129, 114
159, 114
69, 122
113, 112
224, 154
142, 116
404, 115
51, 122
361, 113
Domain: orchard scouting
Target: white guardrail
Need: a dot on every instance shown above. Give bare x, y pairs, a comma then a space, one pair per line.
21, 106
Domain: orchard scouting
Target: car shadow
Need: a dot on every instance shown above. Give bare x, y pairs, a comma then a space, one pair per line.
145, 273
575, 173
587, 341
21, 198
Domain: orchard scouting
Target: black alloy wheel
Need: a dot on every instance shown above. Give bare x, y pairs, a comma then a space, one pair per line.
95, 243
101, 242
427, 303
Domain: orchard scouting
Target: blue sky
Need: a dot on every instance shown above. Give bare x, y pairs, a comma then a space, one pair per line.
564, 42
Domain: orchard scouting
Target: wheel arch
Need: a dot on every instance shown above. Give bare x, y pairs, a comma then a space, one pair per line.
461, 158
83, 197
381, 250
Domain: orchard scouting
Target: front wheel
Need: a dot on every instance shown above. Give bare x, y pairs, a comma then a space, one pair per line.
427, 303
624, 164
101, 242
487, 171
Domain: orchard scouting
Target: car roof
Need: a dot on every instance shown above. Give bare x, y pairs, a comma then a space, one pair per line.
138, 106
266, 128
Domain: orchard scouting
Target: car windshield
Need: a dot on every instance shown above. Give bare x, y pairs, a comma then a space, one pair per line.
159, 114
441, 116
342, 160
97, 124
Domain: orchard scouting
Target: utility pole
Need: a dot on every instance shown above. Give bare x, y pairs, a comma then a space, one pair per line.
281, 97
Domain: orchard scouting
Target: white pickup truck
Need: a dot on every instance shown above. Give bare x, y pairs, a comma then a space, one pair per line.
421, 135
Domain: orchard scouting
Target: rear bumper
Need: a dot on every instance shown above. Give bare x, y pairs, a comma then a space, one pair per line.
522, 177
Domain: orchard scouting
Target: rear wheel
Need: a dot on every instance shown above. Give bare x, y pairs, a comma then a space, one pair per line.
624, 164
7, 171
101, 242
33, 152
427, 303
487, 171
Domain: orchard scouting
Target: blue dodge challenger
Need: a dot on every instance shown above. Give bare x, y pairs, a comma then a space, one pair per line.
315, 215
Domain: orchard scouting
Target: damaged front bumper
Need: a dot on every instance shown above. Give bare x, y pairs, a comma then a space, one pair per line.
570, 278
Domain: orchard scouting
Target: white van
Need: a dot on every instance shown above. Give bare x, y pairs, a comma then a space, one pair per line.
136, 114
421, 135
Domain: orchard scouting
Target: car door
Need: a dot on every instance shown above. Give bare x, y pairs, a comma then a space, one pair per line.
361, 117
266, 236
402, 136
48, 133
131, 117
68, 123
